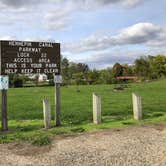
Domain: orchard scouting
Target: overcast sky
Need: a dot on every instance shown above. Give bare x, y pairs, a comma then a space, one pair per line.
97, 32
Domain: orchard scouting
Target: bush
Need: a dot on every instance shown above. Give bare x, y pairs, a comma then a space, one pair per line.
18, 83
51, 82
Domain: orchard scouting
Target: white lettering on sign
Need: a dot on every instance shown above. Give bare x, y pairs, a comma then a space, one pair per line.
27, 71
23, 65
23, 60
11, 71
11, 65
51, 65
23, 55
43, 55
19, 43
44, 60
36, 65
38, 70
4, 82
47, 71
29, 49
45, 45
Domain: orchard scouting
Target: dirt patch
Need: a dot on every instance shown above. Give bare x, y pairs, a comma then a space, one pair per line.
25, 149
135, 146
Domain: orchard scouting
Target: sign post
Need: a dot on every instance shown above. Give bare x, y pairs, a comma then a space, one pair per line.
25, 57
4, 111
4, 82
57, 81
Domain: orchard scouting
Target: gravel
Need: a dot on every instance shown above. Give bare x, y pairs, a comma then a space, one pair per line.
135, 146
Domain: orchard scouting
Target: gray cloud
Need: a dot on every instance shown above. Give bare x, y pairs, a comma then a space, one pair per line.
141, 33
79, 3
109, 58
124, 3
18, 3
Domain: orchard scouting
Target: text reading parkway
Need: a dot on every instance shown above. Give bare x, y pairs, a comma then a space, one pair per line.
29, 57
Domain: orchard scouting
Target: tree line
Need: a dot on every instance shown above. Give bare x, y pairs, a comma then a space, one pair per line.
145, 68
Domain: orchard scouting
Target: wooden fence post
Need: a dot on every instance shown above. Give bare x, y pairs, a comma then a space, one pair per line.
47, 113
96, 109
137, 106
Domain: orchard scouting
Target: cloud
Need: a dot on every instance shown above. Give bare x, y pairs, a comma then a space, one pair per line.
132, 3
60, 17
124, 56
141, 33
41, 39
136, 34
57, 14
109, 58
123, 3
6, 20
7, 37
18, 3
79, 3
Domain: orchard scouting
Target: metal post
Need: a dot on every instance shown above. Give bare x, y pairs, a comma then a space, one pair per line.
4, 103
57, 81
57, 104
4, 111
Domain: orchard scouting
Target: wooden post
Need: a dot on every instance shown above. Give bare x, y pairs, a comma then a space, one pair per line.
137, 106
47, 113
96, 109
4, 111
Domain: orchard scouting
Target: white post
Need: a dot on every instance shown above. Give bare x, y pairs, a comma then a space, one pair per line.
96, 109
137, 106
47, 113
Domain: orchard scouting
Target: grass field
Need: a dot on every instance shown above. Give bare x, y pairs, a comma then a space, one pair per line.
25, 109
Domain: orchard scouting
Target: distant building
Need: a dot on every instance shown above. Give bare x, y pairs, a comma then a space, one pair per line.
42, 77
127, 77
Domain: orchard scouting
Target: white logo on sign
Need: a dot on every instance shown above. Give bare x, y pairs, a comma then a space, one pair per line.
4, 82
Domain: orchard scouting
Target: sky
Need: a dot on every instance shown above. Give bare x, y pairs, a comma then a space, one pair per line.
97, 32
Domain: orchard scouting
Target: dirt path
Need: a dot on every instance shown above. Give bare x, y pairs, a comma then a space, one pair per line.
136, 146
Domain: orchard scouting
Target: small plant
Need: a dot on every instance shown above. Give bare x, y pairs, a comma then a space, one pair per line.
78, 130
41, 140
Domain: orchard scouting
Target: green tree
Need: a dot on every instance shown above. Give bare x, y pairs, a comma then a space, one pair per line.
106, 76
142, 67
92, 77
79, 79
65, 70
117, 70
158, 65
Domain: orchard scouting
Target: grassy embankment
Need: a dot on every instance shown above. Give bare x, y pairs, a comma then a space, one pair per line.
25, 109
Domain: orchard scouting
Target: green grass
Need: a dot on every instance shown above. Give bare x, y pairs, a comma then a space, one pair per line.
25, 110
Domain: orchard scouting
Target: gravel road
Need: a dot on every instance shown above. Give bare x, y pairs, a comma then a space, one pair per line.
135, 146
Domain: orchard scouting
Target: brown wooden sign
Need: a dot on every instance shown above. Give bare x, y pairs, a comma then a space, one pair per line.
24, 57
